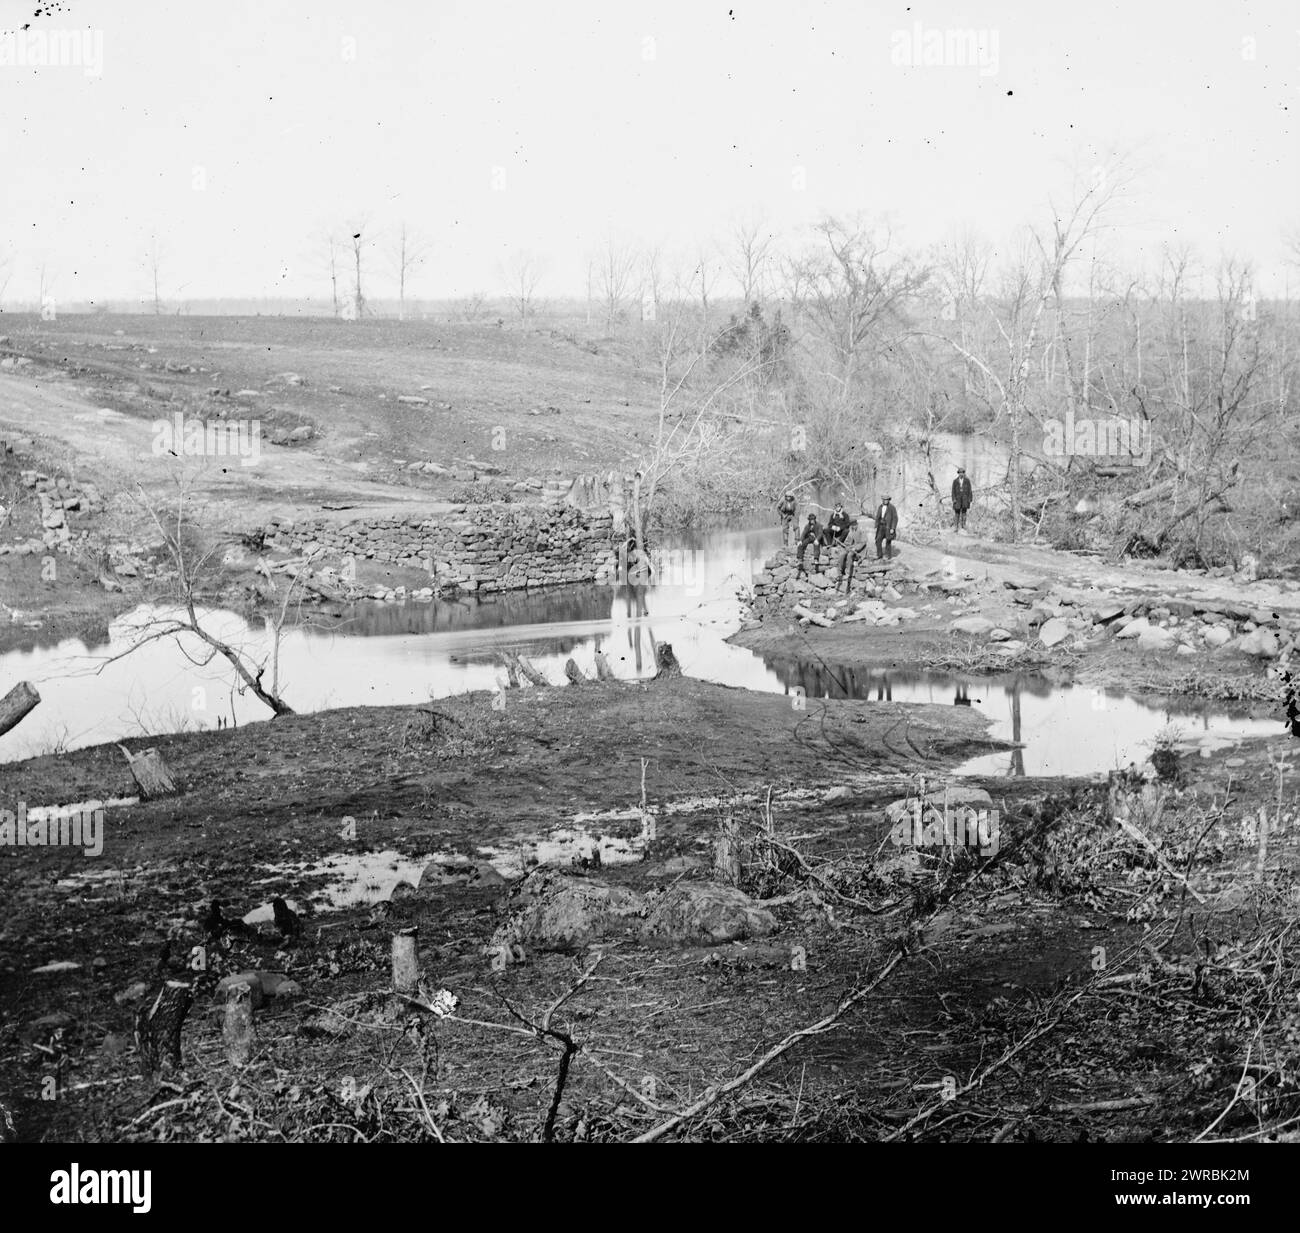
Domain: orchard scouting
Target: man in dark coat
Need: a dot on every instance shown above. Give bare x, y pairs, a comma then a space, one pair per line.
786, 507
961, 499
837, 526
812, 534
886, 528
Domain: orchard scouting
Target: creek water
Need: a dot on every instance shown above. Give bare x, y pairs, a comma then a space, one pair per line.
377, 654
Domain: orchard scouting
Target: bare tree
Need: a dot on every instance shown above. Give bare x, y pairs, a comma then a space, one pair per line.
153, 262
688, 428
44, 284
410, 251
852, 287
1033, 279
330, 250
615, 271
193, 562
652, 274
750, 254
360, 241
523, 271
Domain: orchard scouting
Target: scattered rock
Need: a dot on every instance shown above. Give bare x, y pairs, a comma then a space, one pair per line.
1154, 638
557, 911
972, 625
262, 987
695, 912
1262, 643
1053, 631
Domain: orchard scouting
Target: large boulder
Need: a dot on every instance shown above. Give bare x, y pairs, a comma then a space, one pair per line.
1262, 643
1054, 631
696, 913
558, 911
1153, 638
1135, 628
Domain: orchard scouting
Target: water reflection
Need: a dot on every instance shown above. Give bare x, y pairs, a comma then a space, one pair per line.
374, 654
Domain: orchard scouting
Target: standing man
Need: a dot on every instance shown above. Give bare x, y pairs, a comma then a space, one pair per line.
961, 499
886, 529
812, 534
786, 507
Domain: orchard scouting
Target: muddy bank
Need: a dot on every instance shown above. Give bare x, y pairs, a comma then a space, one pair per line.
955, 957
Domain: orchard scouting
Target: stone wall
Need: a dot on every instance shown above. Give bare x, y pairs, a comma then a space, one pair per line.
500, 547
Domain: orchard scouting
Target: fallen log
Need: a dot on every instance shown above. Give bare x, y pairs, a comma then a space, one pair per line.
815, 618
151, 773
526, 670
16, 704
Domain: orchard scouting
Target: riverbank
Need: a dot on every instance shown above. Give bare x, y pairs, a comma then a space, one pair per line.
330, 811
963, 604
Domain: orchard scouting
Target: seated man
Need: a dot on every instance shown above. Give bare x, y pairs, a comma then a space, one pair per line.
837, 526
812, 534
852, 547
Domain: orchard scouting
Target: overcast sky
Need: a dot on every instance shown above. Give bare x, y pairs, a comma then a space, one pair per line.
238, 130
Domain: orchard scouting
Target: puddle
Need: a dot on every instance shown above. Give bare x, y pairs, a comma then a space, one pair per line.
43, 813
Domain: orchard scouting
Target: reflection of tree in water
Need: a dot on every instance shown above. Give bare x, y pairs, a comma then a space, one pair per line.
636, 608
834, 681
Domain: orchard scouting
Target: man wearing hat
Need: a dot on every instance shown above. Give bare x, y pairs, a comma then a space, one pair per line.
886, 528
961, 499
812, 534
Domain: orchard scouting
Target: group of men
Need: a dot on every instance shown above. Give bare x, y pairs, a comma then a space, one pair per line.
843, 536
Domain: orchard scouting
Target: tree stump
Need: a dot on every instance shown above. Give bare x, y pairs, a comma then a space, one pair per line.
526, 670
603, 670
16, 704
574, 673
726, 854
158, 1030
666, 661
150, 772
406, 961
237, 1031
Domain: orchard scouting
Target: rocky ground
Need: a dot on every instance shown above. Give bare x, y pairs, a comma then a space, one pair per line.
984, 606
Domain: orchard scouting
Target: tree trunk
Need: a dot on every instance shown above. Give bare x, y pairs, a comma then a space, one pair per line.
158, 1030
15, 705
726, 854
666, 661
526, 670
151, 773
